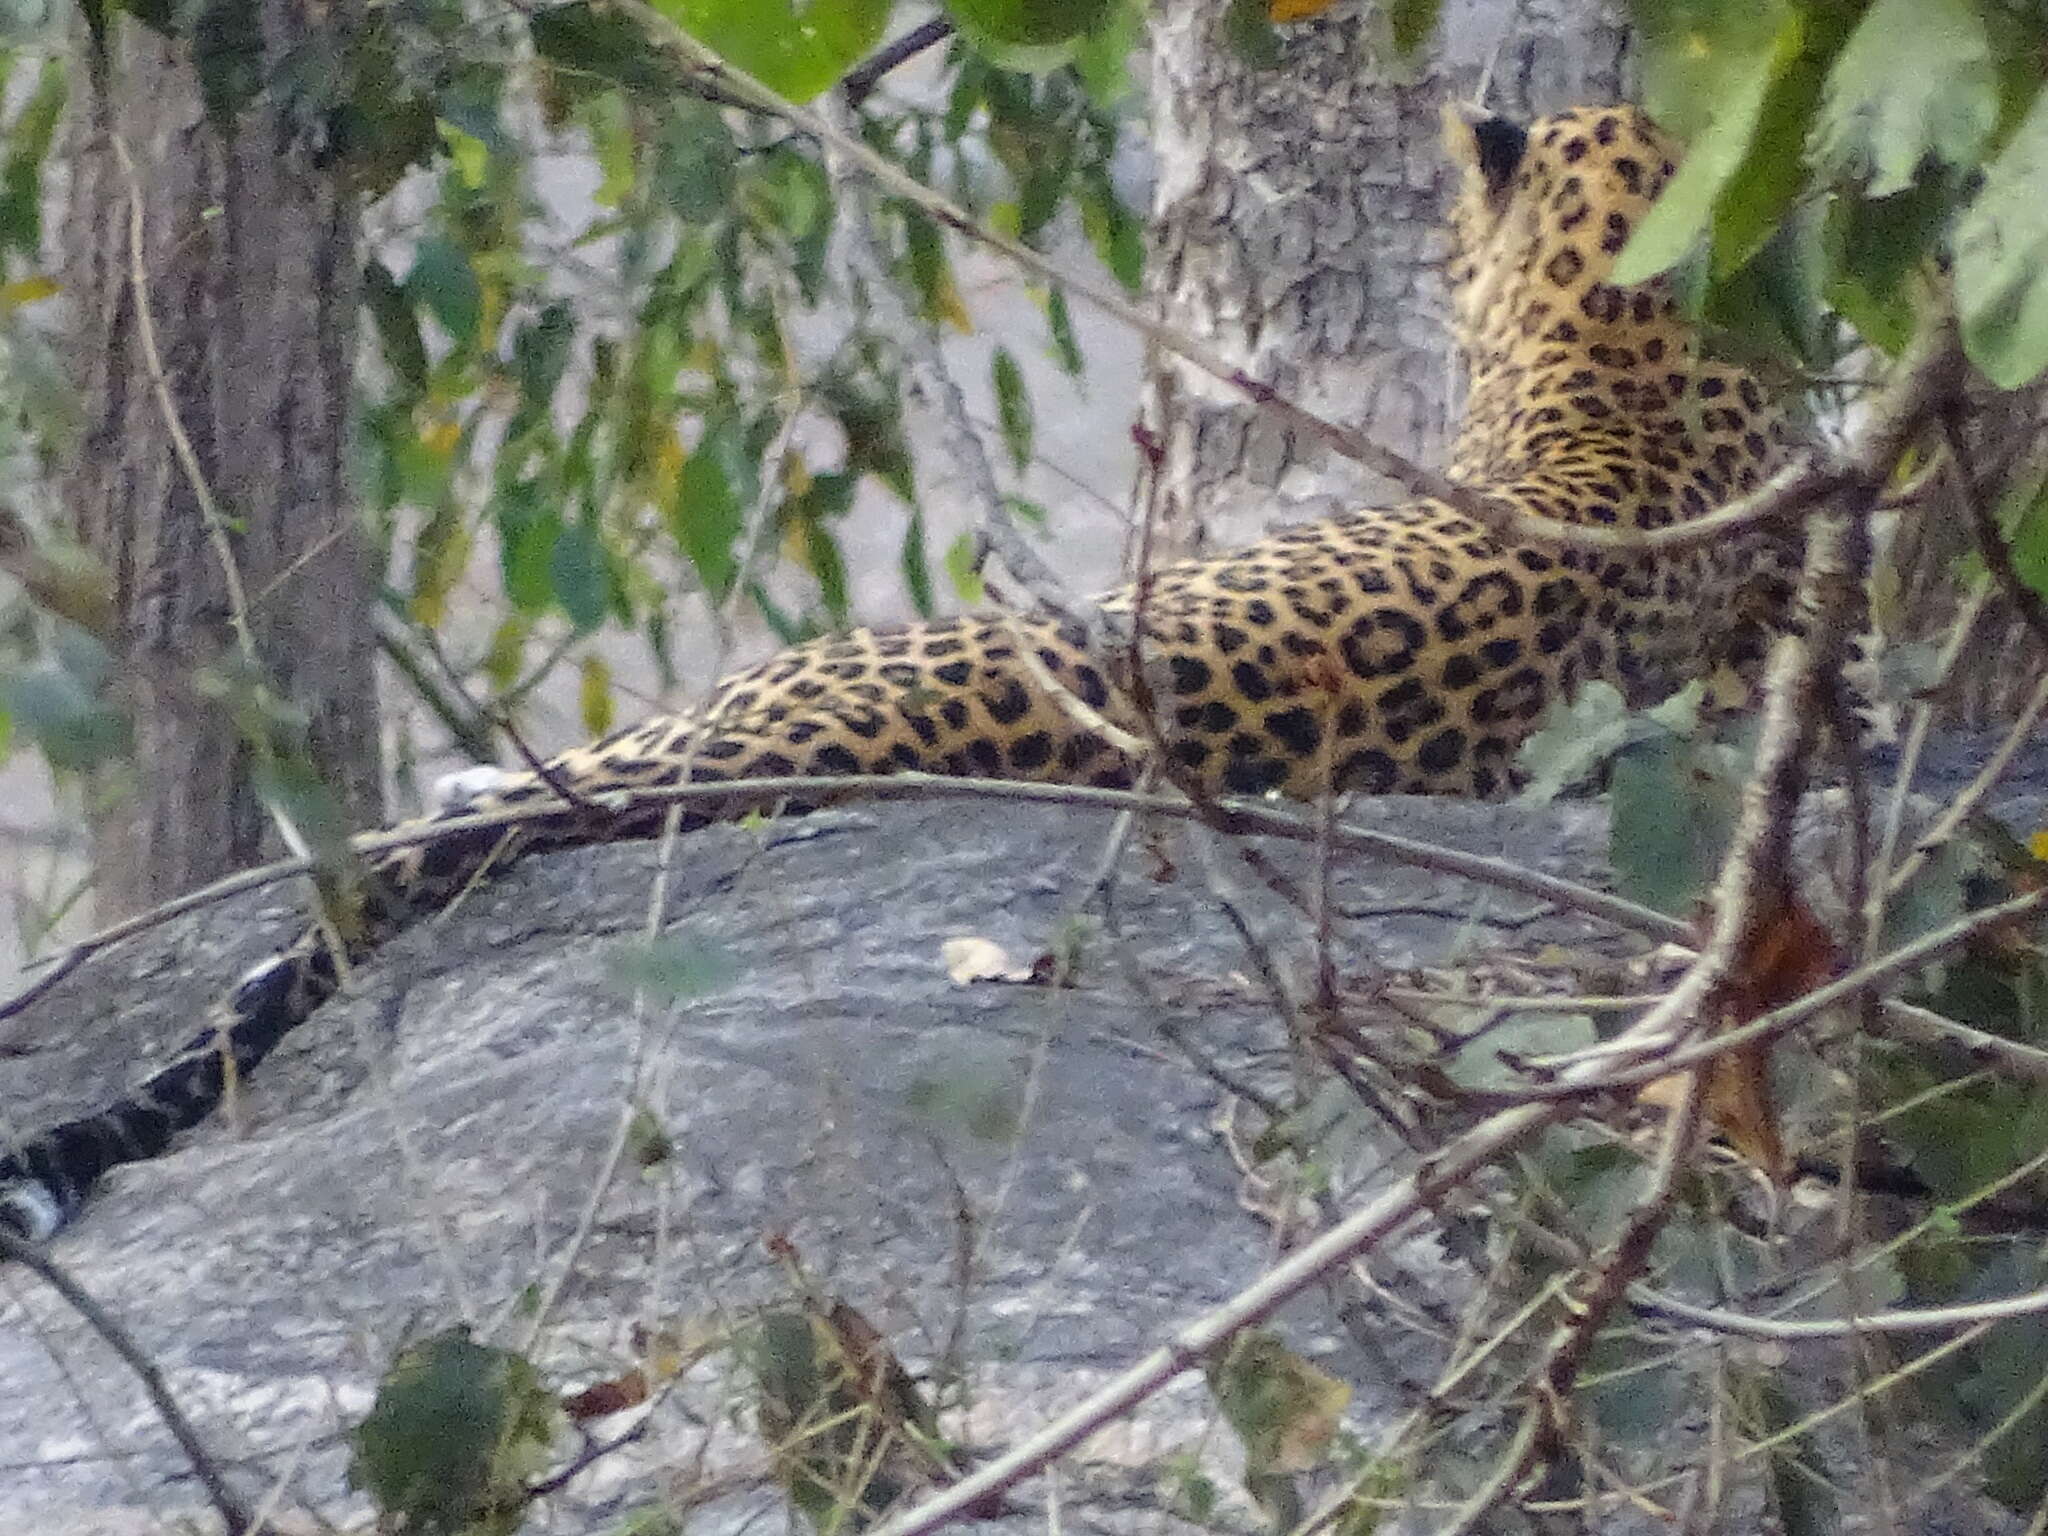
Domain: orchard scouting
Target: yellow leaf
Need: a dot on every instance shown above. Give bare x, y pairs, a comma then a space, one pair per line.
507, 653
446, 561
2037, 845
440, 436
948, 306
468, 153
1295, 10
595, 695
27, 290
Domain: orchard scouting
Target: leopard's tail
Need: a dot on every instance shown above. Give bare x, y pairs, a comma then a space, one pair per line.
45, 1180
47, 1177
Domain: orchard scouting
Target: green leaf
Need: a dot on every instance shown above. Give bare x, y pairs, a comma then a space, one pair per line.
1873, 246
398, 329
1410, 22
1804, 1502
1574, 742
63, 714
1685, 210
578, 576
455, 1433
694, 161
1482, 1065
227, 52
1102, 58
2001, 256
1769, 312
673, 970
1117, 234
1013, 408
827, 497
1029, 23
1768, 181
1248, 31
1066, 347
605, 44
960, 568
540, 352
793, 48
1670, 826
1914, 81
443, 280
1284, 1410
917, 566
2026, 532
527, 530
28, 146
707, 513
787, 192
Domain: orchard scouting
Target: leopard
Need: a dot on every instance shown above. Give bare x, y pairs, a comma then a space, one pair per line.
1400, 649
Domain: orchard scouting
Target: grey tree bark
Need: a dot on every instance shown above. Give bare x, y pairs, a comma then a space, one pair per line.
1294, 227
235, 255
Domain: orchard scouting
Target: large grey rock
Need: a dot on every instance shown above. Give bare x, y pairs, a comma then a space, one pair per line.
421, 1152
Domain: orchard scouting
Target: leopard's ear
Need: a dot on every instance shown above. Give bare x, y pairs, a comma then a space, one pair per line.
1490, 147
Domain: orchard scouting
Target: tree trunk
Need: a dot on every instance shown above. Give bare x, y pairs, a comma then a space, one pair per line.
1295, 228
213, 272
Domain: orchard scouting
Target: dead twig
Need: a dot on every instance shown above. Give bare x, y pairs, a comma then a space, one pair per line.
860, 81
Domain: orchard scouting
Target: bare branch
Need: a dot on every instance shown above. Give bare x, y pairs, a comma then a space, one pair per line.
1230, 816
227, 1503
861, 80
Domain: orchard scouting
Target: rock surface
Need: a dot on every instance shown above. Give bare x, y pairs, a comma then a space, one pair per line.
423, 1149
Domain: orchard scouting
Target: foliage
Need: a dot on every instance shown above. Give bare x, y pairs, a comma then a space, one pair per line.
1856, 144
670, 401
456, 1432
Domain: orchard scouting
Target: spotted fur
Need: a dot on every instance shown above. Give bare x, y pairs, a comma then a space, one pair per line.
1398, 649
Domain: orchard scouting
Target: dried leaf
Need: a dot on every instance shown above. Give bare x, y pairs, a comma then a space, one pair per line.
1281, 11
607, 1397
969, 960
1786, 954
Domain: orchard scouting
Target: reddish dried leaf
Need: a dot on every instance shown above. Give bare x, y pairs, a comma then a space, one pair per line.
1785, 955
605, 1397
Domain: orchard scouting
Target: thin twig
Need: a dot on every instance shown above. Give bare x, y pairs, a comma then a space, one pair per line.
1904, 1320
859, 82
1997, 553
931, 381
622, 1133
465, 723
1972, 794
234, 1512
181, 443
1229, 816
